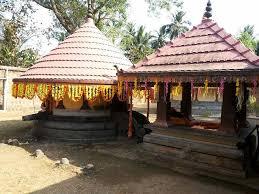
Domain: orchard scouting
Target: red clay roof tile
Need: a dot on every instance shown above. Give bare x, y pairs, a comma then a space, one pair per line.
86, 56
205, 48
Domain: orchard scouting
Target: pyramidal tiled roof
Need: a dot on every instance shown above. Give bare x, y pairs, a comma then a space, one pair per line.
205, 48
86, 56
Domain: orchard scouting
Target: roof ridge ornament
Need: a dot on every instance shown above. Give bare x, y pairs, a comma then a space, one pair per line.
89, 16
208, 14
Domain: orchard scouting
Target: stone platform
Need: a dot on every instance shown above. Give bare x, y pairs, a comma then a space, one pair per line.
202, 152
77, 126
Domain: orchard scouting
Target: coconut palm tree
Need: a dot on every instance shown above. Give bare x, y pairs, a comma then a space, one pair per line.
177, 26
136, 43
159, 39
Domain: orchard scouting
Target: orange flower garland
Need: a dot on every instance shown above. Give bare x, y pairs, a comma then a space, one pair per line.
29, 91
43, 91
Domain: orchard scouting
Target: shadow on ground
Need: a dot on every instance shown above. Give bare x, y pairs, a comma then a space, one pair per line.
14, 129
112, 174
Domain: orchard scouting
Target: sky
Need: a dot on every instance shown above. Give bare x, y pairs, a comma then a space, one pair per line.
233, 15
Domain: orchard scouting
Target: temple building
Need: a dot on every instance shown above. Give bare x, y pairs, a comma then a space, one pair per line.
206, 56
77, 85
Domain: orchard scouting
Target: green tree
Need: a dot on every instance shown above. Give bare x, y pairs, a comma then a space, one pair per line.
11, 53
159, 39
14, 17
158, 6
136, 43
247, 37
177, 26
257, 48
110, 16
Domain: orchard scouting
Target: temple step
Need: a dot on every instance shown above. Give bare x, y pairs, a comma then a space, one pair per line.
201, 157
194, 145
89, 132
83, 134
91, 140
75, 126
86, 113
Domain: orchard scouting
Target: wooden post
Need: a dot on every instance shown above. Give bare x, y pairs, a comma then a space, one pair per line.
257, 102
148, 103
228, 112
241, 115
186, 103
130, 130
162, 108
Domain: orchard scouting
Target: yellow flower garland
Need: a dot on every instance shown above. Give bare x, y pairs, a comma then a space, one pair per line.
20, 90
177, 91
58, 91
43, 91
14, 90
75, 92
29, 91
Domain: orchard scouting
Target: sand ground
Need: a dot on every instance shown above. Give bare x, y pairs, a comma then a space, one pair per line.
20, 172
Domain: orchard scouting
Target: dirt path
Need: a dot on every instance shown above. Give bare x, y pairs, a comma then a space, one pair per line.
22, 173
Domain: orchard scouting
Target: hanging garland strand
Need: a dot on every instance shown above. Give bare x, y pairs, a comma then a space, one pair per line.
73, 91
14, 90
237, 87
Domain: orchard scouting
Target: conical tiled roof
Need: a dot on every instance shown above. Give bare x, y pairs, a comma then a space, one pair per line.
206, 48
87, 56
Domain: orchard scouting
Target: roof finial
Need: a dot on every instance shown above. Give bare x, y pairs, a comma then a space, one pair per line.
208, 14
89, 17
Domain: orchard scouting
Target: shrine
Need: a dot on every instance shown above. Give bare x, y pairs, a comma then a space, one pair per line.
77, 85
206, 56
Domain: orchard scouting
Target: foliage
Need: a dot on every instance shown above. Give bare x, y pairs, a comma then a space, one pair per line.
247, 37
171, 30
10, 52
136, 43
177, 26
157, 6
159, 39
109, 15
15, 33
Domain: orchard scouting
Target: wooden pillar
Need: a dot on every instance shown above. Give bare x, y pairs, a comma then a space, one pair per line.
162, 107
186, 103
228, 112
241, 115
148, 103
257, 102
130, 130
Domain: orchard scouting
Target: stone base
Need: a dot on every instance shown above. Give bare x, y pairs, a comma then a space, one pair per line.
196, 153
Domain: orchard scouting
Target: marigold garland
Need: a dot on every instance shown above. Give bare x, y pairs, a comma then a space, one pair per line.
177, 91
14, 90
58, 92
43, 91
20, 90
75, 92
29, 91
